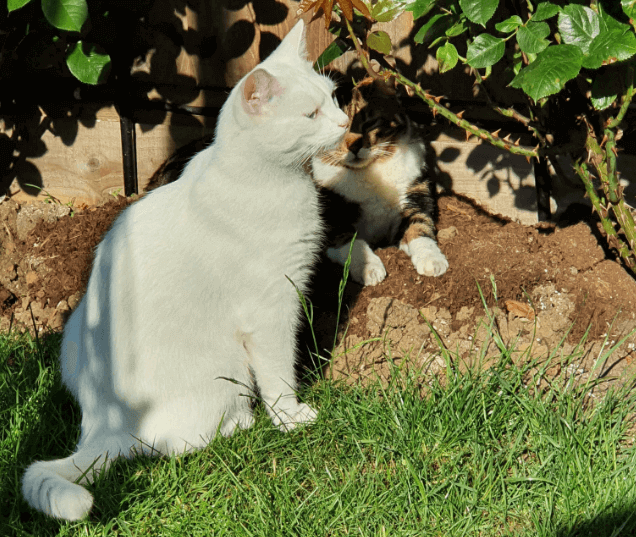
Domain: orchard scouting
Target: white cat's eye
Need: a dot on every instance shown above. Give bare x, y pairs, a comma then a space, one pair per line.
313, 114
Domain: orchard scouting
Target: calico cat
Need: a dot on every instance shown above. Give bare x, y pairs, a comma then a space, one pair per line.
174, 165
379, 173
189, 307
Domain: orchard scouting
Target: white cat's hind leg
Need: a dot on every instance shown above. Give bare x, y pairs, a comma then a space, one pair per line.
426, 256
242, 419
365, 268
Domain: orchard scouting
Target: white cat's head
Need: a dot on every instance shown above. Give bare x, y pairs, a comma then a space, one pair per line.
284, 109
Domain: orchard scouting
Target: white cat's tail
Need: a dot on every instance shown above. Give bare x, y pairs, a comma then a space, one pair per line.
49, 486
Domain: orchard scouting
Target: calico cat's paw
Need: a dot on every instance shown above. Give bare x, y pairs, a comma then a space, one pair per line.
287, 419
427, 258
373, 272
366, 268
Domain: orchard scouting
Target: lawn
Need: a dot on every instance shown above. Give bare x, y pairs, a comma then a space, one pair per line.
471, 453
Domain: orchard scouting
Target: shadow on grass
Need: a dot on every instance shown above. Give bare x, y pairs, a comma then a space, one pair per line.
46, 424
616, 521
316, 340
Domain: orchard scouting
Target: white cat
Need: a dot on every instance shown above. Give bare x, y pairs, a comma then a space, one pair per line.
188, 306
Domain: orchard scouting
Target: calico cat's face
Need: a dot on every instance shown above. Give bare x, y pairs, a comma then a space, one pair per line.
377, 124
286, 109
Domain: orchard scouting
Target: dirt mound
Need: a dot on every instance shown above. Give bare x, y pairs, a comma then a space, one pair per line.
45, 262
541, 287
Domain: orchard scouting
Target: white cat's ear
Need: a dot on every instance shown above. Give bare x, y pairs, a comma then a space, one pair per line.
293, 44
258, 90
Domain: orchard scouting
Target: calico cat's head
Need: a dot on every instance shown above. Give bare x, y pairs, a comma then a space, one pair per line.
284, 109
378, 123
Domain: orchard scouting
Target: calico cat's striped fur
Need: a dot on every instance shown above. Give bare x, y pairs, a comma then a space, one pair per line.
379, 175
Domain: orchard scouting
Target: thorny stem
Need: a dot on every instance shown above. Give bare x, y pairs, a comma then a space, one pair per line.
609, 183
626, 99
605, 168
612, 236
433, 104
492, 138
453, 118
507, 112
361, 53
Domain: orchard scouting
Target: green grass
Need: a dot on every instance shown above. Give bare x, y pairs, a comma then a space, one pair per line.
478, 454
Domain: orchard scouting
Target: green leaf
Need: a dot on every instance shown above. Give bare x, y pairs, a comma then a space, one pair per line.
509, 25
419, 8
12, 5
379, 41
578, 26
457, 29
67, 15
386, 10
433, 28
545, 10
550, 71
328, 55
609, 47
479, 11
531, 38
629, 8
485, 50
446, 57
607, 22
517, 62
91, 67
605, 90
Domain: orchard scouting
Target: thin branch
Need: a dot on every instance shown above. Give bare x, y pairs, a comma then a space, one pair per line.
437, 108
626, 99
612, 236
507, 112
362, 55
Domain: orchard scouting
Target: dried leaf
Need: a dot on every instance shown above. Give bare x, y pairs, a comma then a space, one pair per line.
327, 6
317, 5
519, 309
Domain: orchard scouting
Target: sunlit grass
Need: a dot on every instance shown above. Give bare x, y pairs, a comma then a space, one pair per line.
479, 454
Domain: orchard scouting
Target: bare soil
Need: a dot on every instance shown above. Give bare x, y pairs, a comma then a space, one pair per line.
552, 291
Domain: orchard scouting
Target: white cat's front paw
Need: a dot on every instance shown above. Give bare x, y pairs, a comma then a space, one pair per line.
288, 419
427, 258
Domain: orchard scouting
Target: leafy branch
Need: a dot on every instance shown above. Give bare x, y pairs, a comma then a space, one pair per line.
582, 55
85, 60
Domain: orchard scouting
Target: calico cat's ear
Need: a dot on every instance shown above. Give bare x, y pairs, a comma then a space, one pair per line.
293, 45
258, 90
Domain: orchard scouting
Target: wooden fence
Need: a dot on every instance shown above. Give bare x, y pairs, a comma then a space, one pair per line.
199, 50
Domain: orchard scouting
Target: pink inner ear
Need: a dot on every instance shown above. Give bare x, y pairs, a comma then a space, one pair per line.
258, 90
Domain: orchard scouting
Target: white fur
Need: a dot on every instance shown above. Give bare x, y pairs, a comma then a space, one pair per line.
426, 256
188, 306
365, 268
